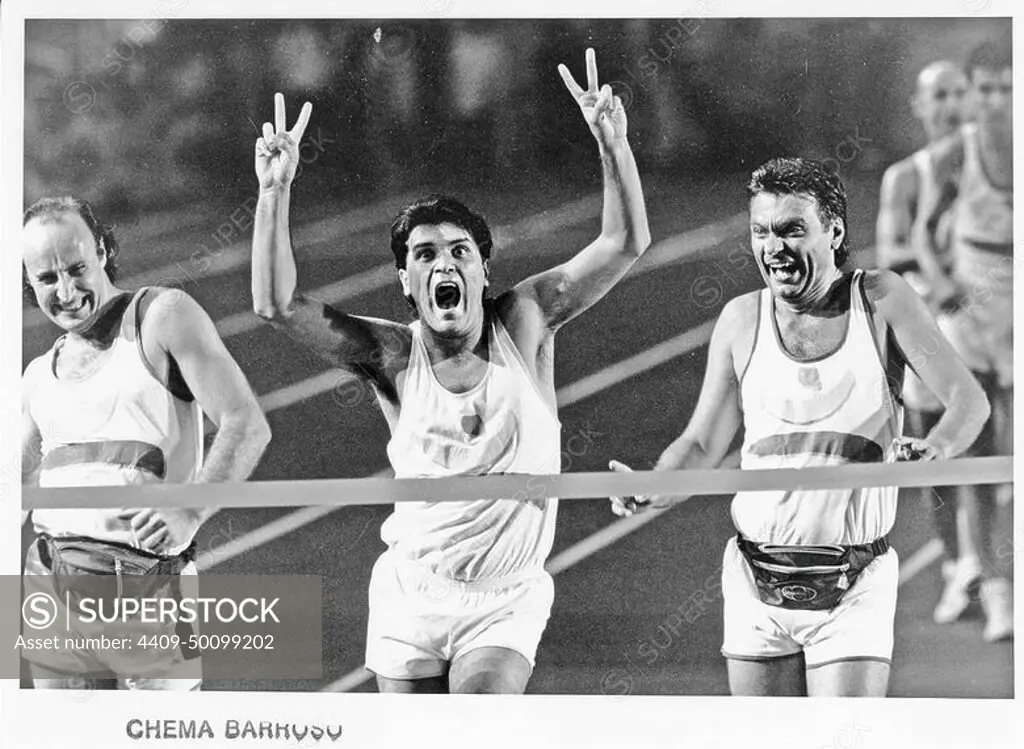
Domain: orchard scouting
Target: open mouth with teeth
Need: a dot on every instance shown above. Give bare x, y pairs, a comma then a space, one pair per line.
784, 271
71, 309
447, 295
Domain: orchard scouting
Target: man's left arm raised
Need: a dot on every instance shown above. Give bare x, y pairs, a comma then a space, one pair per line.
563, 292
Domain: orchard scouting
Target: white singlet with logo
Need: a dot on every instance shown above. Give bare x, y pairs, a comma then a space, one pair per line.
830, 411
93, 425
502, 425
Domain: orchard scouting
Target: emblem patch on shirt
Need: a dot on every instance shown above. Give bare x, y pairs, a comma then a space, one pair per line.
810, 378
471, 424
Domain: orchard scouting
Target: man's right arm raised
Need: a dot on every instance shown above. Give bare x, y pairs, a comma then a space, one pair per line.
361, 345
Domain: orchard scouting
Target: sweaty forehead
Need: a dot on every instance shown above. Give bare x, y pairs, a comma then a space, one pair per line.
438, 234
65, 237
768, 208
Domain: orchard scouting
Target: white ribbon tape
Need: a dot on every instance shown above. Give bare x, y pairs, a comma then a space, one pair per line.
378, 491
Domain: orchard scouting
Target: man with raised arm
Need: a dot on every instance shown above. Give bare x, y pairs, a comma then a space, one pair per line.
972, 178
119, 401
460, 599
812, 367
938, 103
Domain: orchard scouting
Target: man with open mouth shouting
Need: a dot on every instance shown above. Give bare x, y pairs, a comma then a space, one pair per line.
460, 599
812, 366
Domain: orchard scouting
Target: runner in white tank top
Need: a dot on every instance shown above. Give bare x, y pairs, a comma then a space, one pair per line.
907, 186
826, 411
119, 400
118, 425
974, 172
502, 425
812, 368
459, 601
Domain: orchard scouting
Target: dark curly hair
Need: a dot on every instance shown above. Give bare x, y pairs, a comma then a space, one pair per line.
798, 176
104, 235
433, 210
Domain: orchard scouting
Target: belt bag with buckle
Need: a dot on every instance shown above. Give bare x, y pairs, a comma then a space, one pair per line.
808, 578
80, 555
70, 556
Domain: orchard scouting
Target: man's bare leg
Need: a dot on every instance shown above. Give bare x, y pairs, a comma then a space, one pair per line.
772, 677
491, 670
430, 685
852, 678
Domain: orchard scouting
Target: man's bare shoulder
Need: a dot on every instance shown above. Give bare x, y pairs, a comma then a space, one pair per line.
739, 315
879, 281
518, 311
165, 305
900, 178
888, 293
35, 369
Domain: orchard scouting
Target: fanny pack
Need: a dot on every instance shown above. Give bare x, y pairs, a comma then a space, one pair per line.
807, 578
81, 555
116, 571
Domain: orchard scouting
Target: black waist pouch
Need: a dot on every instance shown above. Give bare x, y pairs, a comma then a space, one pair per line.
808, 578
86, 567
67, 556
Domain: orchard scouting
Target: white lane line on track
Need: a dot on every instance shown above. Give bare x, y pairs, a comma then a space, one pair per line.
262, 535
920, 560
612, 533
645, 360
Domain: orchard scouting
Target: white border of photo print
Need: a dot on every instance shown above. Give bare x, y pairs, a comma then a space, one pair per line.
30, 718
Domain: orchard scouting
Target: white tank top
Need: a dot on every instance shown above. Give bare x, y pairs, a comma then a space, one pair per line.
503, 425
825, 412
983, 225
117, 426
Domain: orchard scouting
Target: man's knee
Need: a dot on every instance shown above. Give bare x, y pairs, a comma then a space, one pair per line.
489, 682
867, 677
430, 685
490, 671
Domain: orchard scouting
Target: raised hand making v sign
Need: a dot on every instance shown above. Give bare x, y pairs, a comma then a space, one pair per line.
277, 152
602, 110
467, 389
